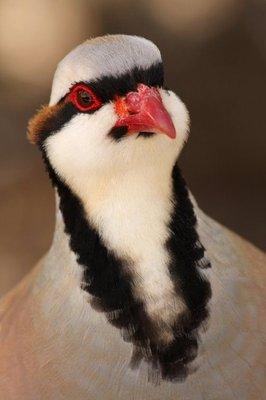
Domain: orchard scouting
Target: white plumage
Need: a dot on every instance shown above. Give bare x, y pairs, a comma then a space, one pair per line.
54, 343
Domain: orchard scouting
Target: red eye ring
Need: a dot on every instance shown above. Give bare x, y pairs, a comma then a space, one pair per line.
83, 98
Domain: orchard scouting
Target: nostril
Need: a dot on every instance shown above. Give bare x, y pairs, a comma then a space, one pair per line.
132, 112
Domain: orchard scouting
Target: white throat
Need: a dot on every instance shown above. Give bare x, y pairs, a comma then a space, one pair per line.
131, 211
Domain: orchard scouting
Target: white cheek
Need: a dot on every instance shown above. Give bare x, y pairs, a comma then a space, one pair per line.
179, 115
82, 147
82, 144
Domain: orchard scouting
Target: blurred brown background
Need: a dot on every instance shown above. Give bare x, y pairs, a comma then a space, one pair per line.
215, 59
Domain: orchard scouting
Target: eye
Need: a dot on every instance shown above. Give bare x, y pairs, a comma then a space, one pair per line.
84, 99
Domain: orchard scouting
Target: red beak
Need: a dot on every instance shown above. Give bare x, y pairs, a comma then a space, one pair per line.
143, 111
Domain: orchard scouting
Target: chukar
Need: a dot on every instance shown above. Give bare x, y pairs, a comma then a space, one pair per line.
127, 303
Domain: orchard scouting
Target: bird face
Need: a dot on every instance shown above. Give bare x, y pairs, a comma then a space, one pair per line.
109, 111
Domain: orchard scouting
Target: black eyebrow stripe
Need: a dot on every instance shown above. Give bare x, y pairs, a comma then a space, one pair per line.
107, 87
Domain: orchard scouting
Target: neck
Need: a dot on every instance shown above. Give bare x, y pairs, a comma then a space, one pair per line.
91, 292
141, 258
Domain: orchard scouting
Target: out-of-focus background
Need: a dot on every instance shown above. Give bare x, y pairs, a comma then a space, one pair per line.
215, 59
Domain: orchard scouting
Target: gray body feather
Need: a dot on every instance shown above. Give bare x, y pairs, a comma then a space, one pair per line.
54, 346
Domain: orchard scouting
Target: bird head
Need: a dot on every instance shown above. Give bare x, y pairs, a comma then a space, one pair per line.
109, 110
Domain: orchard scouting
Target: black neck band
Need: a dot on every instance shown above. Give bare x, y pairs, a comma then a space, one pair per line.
111, 287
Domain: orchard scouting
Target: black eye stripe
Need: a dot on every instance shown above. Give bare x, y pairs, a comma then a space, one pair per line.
54, 123
107, 87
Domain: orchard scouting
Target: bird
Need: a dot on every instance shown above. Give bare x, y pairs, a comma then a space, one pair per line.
141, 294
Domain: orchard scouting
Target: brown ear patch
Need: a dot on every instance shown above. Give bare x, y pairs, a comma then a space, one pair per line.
38, 121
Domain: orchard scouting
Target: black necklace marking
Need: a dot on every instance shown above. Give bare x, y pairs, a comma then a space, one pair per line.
106, 88
111, 286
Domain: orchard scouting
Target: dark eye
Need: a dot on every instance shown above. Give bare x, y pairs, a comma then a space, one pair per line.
83, 98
